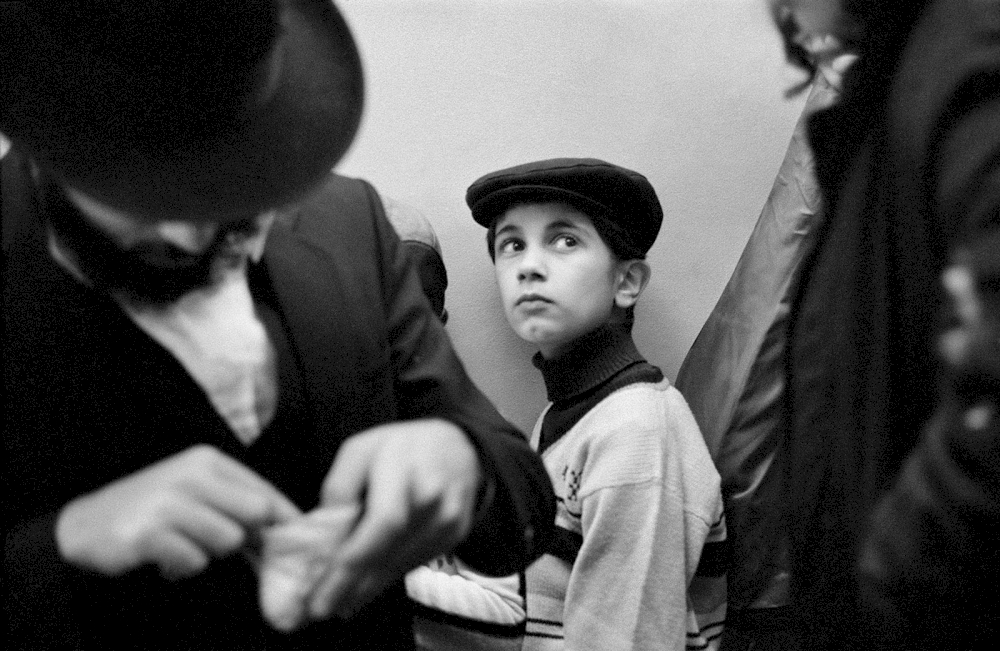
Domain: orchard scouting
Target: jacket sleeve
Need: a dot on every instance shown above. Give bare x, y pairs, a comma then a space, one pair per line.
517, 502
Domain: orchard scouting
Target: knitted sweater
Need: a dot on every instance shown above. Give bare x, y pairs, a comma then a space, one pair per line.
637, 499
459, 609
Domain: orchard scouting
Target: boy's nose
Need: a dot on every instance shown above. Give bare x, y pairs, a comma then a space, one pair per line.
529, 274
531, 268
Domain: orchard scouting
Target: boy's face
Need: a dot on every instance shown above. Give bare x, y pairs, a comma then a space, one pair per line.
558, 279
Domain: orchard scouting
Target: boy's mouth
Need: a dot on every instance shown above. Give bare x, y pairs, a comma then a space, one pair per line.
531, 298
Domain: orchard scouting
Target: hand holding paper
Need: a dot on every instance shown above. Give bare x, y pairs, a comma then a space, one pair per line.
295, 556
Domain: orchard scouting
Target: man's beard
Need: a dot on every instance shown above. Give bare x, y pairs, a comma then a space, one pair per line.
132, 272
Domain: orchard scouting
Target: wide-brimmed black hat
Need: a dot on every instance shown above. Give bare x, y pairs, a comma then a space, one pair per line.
621, 202
188, 109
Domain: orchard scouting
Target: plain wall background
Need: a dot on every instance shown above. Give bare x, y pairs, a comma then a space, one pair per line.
688, 92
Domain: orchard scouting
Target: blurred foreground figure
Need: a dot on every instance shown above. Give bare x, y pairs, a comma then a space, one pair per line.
235, 420
908, 163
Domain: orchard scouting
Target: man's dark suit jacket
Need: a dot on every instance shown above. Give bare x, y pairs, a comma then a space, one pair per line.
91, 398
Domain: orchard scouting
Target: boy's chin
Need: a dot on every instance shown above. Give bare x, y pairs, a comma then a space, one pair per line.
536, 334
549, 347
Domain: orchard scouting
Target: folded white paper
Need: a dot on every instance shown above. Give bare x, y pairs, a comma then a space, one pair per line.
295, 556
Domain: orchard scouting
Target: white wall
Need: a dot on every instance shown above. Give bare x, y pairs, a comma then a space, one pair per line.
688, 92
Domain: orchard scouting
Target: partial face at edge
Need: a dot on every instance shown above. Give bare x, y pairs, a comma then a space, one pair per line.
152, 261
817, 19
558, 280
815, 16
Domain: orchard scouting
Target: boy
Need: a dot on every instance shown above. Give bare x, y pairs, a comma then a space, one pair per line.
638, 496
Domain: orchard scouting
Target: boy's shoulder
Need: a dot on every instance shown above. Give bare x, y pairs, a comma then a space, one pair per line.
651, 417
655, 403
643, 432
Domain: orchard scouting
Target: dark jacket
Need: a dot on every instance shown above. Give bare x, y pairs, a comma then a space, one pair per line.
909, 165
92, 398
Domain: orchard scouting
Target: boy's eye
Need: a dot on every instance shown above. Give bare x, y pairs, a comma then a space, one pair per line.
565, 241
509, 245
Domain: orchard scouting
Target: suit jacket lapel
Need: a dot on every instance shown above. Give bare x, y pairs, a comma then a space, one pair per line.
311, 302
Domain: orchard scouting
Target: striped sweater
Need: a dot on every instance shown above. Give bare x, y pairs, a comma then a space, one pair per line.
638, 502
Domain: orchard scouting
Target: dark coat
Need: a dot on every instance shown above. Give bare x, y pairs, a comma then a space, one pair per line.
909, 165
92, 398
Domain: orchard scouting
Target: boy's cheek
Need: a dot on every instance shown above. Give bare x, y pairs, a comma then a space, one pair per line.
513, 321
508, 292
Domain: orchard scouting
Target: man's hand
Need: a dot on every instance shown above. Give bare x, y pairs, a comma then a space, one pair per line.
177, 514
971, 347
417, 483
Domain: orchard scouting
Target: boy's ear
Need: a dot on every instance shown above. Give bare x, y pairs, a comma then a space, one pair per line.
632, 278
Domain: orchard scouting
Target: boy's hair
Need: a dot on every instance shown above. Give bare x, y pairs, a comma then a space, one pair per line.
622, 204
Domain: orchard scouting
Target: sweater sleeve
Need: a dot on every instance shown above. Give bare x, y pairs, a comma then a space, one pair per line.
629, 591
450, 586
456, 608
644, 523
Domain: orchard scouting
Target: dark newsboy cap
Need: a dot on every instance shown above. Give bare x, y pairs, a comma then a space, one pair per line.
187, 109
621, 203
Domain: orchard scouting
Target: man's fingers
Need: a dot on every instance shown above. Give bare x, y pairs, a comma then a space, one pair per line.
368, 585
380, 529
215, 533
960, 286
393, 536
347, 480
415, 505
246, 496
177, 556
354, 583
199, 497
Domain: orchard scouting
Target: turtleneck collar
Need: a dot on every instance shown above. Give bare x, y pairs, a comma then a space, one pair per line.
588, 362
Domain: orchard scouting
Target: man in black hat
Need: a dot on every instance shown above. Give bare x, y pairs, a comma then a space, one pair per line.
210, 341
638, 499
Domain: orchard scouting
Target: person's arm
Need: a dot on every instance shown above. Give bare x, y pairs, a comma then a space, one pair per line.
450, 586
451, 476
628, 584
516, 502
455, 607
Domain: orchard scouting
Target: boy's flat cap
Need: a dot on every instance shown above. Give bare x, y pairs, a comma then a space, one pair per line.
622, 203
